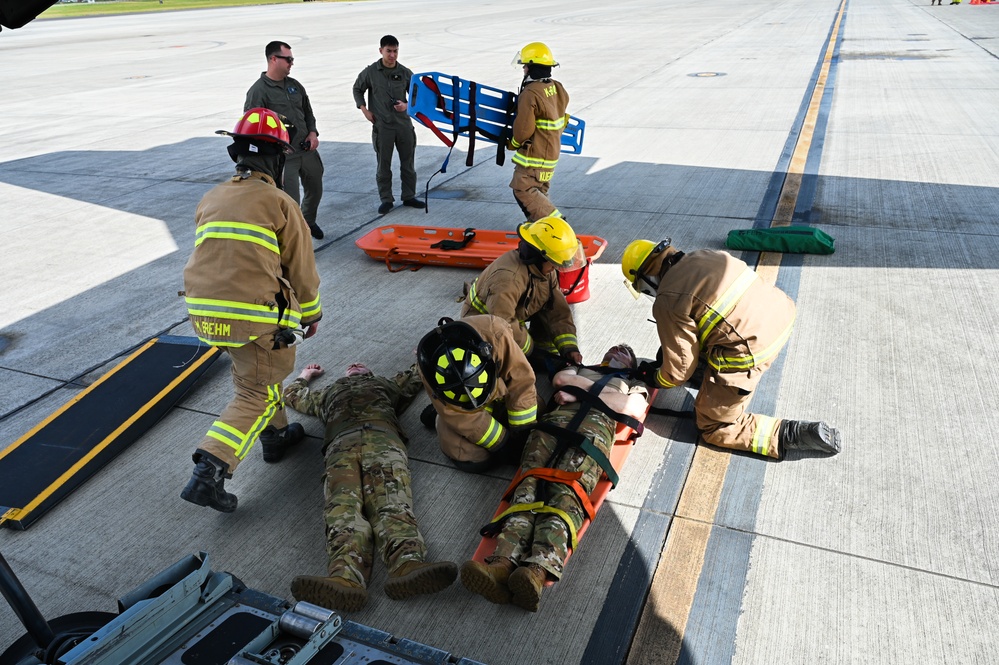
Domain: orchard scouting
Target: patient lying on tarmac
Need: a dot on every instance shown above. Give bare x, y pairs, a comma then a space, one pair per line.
369, 500
533, 544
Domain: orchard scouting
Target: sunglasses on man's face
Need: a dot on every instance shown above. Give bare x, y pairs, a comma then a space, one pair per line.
287, 58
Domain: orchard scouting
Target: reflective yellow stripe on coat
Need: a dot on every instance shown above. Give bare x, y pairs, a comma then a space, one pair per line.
243, 311
492, 436
534, 162
473, 298
521, 418
748, 361
722, 307
552, 125
238, 231
566, 340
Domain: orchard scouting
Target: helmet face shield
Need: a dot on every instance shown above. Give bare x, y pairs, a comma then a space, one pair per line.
574, 262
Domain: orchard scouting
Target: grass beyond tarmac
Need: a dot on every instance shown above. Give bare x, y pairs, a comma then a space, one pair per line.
68, 10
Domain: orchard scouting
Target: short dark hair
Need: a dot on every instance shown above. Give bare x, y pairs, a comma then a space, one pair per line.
274, 47
388, 40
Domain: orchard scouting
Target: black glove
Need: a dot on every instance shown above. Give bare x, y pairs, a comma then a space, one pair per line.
647, 372
512, 445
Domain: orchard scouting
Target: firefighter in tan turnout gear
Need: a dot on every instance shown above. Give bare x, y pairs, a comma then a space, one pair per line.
481, 387
250, 284
521, 287
713, 308
537, 131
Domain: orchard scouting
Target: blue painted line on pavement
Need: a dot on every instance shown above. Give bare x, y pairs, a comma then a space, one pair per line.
714, 615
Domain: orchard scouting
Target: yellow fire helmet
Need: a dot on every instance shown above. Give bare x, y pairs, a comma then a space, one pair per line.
636, 254
535, 53
556, 241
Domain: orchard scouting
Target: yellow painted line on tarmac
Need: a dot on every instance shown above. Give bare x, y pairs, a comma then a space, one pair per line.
659, 637
79, 396
20, 513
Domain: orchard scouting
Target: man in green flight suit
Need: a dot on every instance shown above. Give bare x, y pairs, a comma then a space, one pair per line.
368, 493
386, 81
277, 91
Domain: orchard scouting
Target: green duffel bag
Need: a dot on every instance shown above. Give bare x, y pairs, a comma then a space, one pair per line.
786, 239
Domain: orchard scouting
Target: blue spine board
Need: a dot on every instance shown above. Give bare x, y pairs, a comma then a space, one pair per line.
432, 102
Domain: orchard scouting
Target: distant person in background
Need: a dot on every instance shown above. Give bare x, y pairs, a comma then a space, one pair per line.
537, 132
386, 83
277, 91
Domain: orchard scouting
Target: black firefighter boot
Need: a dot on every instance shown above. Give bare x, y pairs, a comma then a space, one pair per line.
802, 435
273, 441
207, 484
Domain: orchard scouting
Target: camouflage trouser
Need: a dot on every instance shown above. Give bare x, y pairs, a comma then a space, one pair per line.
544, 538
368, 494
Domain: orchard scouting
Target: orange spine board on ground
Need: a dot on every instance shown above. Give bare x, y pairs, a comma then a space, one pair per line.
412, 245
624, 439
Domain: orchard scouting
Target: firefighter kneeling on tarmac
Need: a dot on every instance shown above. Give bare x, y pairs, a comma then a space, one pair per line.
251, 284
713, 308
482, 396
521, 287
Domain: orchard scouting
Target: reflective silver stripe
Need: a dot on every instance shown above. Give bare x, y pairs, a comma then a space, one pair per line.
564, 340
492, 435
765, 426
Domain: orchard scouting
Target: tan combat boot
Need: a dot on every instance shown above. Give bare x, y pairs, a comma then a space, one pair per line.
488, 579
526, 584
415, 577
334, 593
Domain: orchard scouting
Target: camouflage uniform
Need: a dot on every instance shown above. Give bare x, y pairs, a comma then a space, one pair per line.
543, 538
368, 491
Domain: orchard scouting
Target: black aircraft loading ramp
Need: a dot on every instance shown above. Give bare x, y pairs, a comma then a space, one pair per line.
60, 453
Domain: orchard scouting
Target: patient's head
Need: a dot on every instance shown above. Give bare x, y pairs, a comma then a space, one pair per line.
619, 357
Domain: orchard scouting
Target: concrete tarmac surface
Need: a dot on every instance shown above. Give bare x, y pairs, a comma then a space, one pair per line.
876, 121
